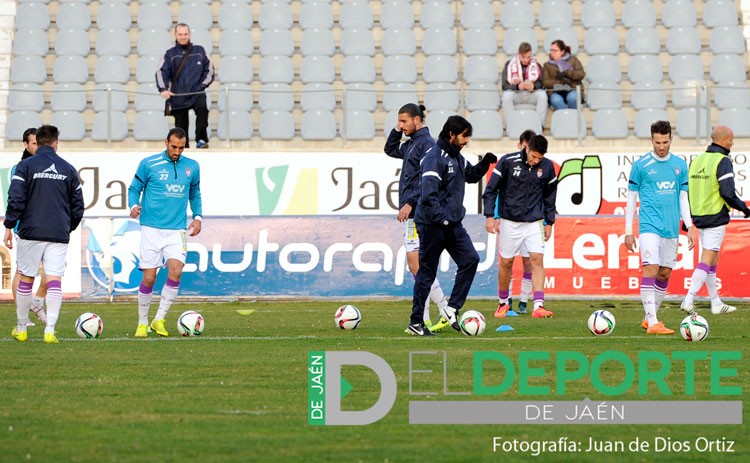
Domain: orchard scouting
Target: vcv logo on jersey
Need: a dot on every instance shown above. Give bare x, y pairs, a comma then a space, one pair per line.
175, 188
276, 198
112, 253
665, 185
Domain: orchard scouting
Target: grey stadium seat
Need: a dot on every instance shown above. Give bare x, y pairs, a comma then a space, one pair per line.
147, 98
276, 96
316, 15
146, 68
642, 40
119, 97
598, 13
71, 125
441, 95
317, 95
317, 69
683, 39
603, 68
482, 95
195, 14
678, 13
736, 119
113, 15
203, 38
275, 15
609, 123
686, 124
477, 13
601, 40
317, 42
685, 67
318, 124
487, 124
398, 42
73, 15
564, 125
604, 95
391, 119
732, 95
154, 15
565, 33
30, 42
101, 125
684, 93
25, 97
360, 95
68, 97
649, 95
727, 39
522, 119
154, 41
276, 42
397, 68
478, 42
236, 69
440, 68
276, 125
240, 125
32, 16
237, 96
513, 38
357, 125
72, 42
235, 42
72, 69
357, 41
235, 15
396, 14
113, 42
357, 69
645, 68
442, 42
720, 13
555, 13
18, 121
150, 126
645, 117
355, 14
481, 69
517, 13
728, 67
437, 15
397, 94
638, 13
28, 69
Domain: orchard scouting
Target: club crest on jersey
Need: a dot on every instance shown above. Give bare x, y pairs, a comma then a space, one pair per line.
188, 172
539, 173
677, 171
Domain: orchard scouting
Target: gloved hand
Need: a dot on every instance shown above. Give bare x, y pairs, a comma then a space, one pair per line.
747, 214
488, 159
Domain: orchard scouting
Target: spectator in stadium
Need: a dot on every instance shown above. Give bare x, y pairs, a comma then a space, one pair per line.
492, 225
522, 83
184, 73
162, 207
712, 194
439, 214
524, 189
560, 76
659, 181
45, 200
37, 301
410, 122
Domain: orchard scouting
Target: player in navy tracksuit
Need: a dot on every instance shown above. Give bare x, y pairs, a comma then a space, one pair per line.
440, 211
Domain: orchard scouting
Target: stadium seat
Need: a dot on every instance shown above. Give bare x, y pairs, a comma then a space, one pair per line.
642, 40
604, 95
318, 69
645, 117
240, 126
113, 42
720, 13
25, 97
391, 119
732, 95
360, 95
276, 96
355, 15
276, 125
275, 15
357, 125
678, 13
73, 15
71, 42
727, 39
482, 95
146, 68
435, 120
114, 69
318, 96
275, 69
203, 38
687, 126
564, 125
437, 15
154, 15
150, 126
398, 68
119, 97
440, 68
522, 119
32, 16
237, 96
18, 121
638, 13
357, 41
598, 13
29, 69
481, 69
276, 42
609, 123
476, 42
441, 95
441, 42
603, 68
154, 41
235, 42
316, 15
113, 16
684, 93
683, 40
566, 34
685, 67
514, 37
728, 67
357, 68
196, 14
517, 14
477, 14
645, 68
555, 13
397, 94
648, 95
736, 119
487, 124
317, 42
236, 69
398, 42
70, 69
396, 14
147, 98
318, 124
235, 15
68, 97
601, 41
103, 121
70, 124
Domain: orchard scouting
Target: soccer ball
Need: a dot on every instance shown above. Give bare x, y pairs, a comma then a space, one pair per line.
89, 326
347, 317
602, 323
694, 328
472, 323
191, 323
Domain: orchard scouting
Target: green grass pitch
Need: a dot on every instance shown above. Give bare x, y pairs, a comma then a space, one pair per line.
238, 393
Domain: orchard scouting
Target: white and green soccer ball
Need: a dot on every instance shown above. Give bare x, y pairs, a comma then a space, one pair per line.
602, 323
191, 323
472, 323
694, 328
347, 317
89, 326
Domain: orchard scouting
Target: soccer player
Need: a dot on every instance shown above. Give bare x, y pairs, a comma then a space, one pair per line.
37, 301
711, 193
45, 200
159, 195
659, 181
492, 225
410, 123
524, 185
440, 211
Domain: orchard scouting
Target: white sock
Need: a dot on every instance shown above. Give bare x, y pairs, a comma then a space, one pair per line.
649, 300
144, 304
660, 291
711, 287
168, 296
23, 302
526, 287
437, 296
54, 303
426, 313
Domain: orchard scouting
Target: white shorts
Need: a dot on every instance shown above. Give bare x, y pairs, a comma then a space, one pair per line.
31, 253
411, 237
158, 246
711, 238
521, 238
656, 250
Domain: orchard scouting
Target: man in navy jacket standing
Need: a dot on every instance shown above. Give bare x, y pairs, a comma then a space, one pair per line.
439, 214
